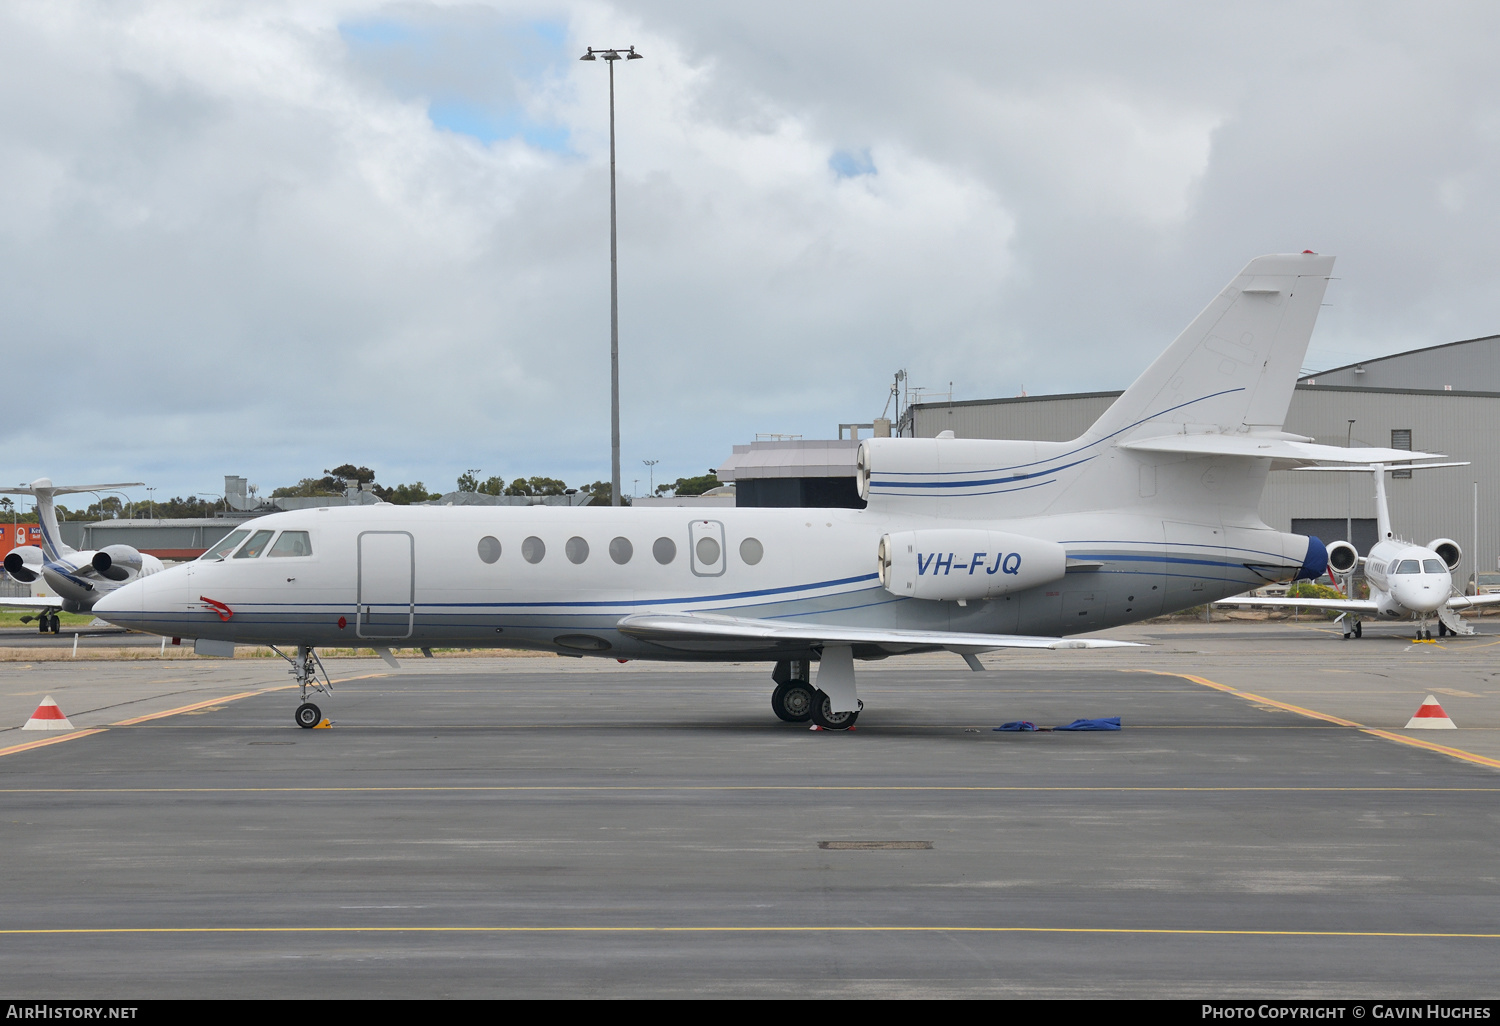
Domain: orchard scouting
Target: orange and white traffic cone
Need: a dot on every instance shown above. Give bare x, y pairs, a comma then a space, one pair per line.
1430, 717
48, 717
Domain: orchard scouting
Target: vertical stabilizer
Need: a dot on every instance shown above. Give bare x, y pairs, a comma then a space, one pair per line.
43, 490
1234, 367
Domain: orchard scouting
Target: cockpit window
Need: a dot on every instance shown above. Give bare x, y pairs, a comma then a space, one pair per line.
1433, 566
255, 546
1409, 566
226, 546
291, 543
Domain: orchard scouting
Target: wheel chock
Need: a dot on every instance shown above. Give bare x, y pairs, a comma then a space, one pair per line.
327, 724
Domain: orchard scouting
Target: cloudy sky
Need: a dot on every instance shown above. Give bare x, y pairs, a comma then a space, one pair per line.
266, 238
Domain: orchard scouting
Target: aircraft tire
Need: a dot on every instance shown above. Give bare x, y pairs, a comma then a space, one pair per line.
792, 702
824, 716
56, 624
1359, 629
308, 716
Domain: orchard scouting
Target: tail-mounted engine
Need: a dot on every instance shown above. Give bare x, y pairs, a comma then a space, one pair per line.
117, 562
24, 563
957, 563
1448, 551
1342, 557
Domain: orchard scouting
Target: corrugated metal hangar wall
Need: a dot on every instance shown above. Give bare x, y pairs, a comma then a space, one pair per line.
1460, 417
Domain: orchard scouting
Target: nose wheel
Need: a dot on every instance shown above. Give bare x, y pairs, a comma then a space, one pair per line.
306, 670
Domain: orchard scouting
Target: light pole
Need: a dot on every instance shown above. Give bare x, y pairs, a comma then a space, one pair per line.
1348, 494
614, 279
651, 476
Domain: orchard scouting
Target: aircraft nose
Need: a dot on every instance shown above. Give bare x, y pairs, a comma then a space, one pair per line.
121, 601
1423, 593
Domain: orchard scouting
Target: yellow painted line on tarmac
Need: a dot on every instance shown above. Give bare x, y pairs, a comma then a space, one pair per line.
1074, 930
44, 742
1299, 710
196, 705
726, 788
1457, 753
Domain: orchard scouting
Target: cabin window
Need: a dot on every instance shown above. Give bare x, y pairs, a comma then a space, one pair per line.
533, 549
489, 549
1409, 566
291, 543
708, 551
665, 550
752, 551
226, 546
1433, 566
620, 550
577, 550
255, 546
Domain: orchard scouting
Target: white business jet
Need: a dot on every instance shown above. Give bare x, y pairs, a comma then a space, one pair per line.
77, 579
1407, 581
966, 545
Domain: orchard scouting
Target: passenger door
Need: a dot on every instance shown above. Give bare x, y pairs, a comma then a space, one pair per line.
386, 606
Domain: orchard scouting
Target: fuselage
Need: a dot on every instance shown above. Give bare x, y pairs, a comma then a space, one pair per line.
561, 578
1407, 579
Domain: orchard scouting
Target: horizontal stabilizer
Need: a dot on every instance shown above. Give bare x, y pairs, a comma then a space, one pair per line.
1284, 451
37, 486
695, 632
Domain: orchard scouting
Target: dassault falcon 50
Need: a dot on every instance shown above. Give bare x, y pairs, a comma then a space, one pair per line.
77, 579
965, 545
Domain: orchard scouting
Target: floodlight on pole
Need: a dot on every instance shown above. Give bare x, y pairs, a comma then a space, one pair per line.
610, 56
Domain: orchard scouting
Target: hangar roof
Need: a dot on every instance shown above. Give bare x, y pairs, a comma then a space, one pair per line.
1472, 365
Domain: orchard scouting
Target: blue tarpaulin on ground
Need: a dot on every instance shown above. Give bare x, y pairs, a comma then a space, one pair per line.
1110, 723
1018, 725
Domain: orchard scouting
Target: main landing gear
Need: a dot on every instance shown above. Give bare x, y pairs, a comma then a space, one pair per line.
1354, 628
832, 705
306, 666
47, 622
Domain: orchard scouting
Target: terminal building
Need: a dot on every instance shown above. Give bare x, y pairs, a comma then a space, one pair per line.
1442, 399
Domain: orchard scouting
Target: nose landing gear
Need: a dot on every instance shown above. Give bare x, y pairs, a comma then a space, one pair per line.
306, 666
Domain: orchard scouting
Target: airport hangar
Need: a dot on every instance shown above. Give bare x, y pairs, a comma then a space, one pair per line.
1441, 399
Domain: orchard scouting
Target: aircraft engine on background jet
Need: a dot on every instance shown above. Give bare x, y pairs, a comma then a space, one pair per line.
117, 562
24, 563
952, 564
1448, 551
1342, 556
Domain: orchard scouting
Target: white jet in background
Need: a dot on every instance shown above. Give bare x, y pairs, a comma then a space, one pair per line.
77, 579
1407, 581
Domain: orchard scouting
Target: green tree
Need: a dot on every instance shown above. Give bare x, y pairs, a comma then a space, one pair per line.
690, 485
467, 482
349, 472
493, 486
406, 494
536, 486
310, 488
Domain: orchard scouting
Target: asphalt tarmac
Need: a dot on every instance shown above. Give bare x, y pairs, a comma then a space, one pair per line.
1262, 827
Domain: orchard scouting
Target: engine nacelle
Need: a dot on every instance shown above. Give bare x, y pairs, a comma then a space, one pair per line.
955, 563
1342, 557
1448, 551
24, 563
117, 562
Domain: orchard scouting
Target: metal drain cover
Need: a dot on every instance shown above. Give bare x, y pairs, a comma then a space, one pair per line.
874, 845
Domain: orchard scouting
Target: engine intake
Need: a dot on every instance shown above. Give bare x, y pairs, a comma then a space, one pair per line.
117, 562
953, 564
1448, 551
1343, 557
16, 566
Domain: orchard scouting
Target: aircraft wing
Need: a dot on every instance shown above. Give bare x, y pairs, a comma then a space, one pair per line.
1469, 601
1342, 605
711, 632
27, 602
